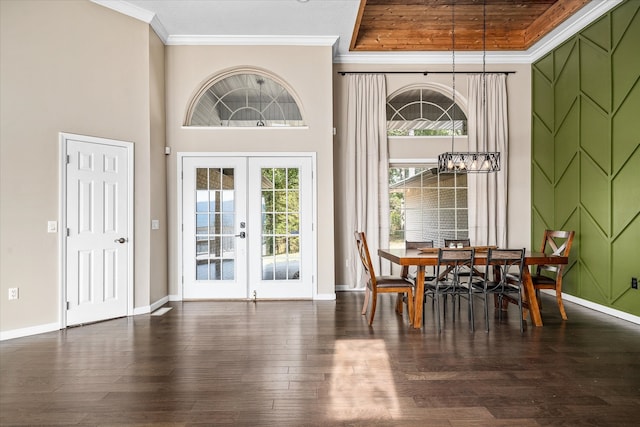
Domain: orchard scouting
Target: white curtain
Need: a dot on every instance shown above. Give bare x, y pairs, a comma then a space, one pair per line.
488, 191
367, 192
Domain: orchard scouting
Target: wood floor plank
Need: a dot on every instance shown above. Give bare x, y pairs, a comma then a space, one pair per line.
303, 363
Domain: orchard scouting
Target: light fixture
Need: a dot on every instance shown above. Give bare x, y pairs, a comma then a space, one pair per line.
479, 161
260, 121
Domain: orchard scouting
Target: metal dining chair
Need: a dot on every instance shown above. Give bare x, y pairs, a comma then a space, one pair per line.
504, 264
449, 281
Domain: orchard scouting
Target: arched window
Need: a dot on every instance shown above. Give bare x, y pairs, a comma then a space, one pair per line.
244, 100
423, 111
423, 204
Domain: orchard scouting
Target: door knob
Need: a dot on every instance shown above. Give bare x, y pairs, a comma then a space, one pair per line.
121, 240
242, 235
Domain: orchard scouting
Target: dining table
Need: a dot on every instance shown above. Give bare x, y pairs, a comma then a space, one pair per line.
421, 259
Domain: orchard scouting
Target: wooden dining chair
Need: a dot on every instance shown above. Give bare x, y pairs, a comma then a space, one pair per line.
449, 281
382, 284
505, 265
549, 276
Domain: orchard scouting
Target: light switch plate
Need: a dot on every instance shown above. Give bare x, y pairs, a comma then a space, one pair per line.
155, 224
52, 226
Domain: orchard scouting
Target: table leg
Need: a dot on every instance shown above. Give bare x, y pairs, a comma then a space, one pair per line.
418, 298
534, 309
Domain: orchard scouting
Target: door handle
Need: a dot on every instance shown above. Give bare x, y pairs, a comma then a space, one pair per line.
242, 235
121, 240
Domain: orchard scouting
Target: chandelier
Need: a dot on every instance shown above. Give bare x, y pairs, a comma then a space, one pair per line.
466, 162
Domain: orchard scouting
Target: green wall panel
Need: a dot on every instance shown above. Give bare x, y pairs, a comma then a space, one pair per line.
595, 74
543, 99
594, 134
566, 89
543, 146
594, 192
592, 259
599, 33
626, 61
586, 152
626, 253
626, 195
627, 137
567, 199
621, 19
568, 140
543, 197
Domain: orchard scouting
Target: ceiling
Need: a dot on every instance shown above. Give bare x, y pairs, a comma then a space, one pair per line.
369, 27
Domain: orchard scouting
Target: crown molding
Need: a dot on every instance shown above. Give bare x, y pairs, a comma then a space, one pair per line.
253, 40
138, 13
433, 58
127, 9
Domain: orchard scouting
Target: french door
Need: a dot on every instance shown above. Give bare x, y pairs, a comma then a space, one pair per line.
247, 227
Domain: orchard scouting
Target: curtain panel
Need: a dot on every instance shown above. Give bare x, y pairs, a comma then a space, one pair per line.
367, 192
488, 131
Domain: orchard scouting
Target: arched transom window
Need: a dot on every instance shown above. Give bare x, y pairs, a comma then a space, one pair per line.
245, 100
424, 112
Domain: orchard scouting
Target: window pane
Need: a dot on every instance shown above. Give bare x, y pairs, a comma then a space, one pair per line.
247, 100
425, 206
424, 112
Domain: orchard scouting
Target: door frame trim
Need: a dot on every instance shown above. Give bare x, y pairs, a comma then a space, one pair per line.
62, 215
314, 212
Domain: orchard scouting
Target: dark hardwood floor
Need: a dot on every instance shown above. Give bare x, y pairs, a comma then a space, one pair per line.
301, 363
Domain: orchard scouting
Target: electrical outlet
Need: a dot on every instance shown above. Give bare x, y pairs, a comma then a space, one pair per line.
13, 293
634, 283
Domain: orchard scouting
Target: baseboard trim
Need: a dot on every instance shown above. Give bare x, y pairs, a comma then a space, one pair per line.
175, 297
156, 305
325, 297
597, 307
32, 330
347, 288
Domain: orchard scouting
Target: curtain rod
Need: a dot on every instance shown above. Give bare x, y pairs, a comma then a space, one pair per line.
343, 73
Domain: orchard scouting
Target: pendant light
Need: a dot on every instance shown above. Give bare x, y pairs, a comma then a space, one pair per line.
478, 161
260, 121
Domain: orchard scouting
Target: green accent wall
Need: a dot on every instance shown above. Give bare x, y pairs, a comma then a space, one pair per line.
586, 156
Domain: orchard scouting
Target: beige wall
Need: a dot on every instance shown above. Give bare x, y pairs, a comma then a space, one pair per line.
519, 109
307, 71
77, 67
158, 253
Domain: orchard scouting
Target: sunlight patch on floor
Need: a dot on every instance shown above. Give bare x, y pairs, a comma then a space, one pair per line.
362, 384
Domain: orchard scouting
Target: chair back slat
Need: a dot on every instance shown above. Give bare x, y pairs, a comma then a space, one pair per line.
452, 261
508, 264
365, 257
555, 242
418, 245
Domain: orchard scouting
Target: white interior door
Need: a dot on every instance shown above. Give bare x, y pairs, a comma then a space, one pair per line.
98, 230
247, 227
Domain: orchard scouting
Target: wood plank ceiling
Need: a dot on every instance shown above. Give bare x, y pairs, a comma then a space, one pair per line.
426, 25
